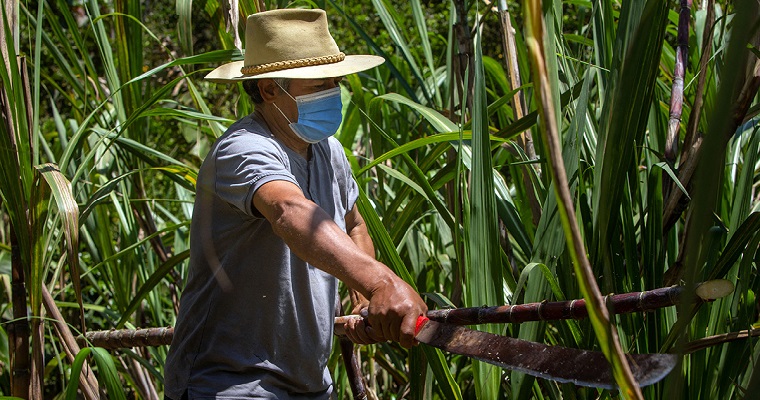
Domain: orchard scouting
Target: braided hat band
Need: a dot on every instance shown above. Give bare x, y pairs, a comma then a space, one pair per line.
287, 64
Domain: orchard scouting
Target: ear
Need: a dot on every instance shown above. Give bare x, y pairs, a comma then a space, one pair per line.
268, 90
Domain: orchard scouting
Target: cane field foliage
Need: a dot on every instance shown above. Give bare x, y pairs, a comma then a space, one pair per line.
507, 152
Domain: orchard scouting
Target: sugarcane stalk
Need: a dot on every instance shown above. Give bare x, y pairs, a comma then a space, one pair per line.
351, 361
749, 80
353, 369
679, 70
623, 303
87, 382
557, 310
671, 191
464, 56
699, 95
37, 323
525, 139
125, 338
151, 337
18, 330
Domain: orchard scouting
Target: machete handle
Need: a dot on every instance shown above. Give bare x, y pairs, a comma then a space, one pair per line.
421, 321
340, 321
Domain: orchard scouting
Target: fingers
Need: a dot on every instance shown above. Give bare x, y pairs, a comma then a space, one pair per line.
374, 334
383, 322
357, 330
408, 327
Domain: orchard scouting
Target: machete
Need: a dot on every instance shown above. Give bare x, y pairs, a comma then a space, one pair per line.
562, 364
557, 363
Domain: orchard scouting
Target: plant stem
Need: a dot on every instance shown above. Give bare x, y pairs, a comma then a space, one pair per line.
87, 382
560, 310
18, 332
525, 139
676, 93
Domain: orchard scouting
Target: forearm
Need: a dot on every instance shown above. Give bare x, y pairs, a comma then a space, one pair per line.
314, 237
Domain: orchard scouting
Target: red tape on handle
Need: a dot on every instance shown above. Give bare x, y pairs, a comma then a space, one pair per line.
421, 321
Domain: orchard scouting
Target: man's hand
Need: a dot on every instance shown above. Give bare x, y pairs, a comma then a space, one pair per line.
393, 311
355, 328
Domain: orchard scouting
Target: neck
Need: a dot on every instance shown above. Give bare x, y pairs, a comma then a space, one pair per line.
280, 129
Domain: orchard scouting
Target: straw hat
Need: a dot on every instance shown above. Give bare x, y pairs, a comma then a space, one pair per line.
291, 43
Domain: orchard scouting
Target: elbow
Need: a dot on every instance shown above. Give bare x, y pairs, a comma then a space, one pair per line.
290, 217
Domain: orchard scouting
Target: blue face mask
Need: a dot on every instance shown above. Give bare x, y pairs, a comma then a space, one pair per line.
319, 115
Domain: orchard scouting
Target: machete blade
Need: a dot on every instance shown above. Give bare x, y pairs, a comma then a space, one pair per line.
561, 364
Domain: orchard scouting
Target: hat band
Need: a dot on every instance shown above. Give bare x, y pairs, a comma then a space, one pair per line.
288, 64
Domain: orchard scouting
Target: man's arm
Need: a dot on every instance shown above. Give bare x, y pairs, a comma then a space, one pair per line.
314, 237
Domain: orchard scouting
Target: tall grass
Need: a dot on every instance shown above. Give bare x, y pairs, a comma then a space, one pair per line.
102, 138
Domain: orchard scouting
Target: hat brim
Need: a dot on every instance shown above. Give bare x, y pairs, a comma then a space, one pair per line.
230, 72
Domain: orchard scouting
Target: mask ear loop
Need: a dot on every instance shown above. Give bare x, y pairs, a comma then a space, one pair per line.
278, 108
283, 114
283, 89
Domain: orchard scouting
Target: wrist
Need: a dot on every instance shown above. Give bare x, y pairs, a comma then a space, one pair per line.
383, 283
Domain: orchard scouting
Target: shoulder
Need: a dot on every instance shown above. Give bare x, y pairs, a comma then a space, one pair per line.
247, 136
334, 148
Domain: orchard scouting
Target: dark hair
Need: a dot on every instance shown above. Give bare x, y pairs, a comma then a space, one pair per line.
251, 87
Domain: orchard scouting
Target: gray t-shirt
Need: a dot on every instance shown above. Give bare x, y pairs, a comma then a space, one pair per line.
255, 321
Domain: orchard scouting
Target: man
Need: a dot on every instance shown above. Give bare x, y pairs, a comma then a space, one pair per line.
274, 225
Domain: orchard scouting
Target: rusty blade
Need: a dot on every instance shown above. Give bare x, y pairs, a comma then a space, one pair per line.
561, 364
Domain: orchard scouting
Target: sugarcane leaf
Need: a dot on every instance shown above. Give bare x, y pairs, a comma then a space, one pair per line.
440, 299
385, 247
173, 112
108, 374
185, 25
736, 245
68, 209
754, 50
422, 30
403, 178
155, 278
395, 33
76, 370
624, 116
213, 56
445, 380
483, 269
126, 250
439, 122
378, 49
665, 167
548, 275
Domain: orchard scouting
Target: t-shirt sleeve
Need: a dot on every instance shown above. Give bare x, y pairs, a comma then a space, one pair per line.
245, 162
352, 188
